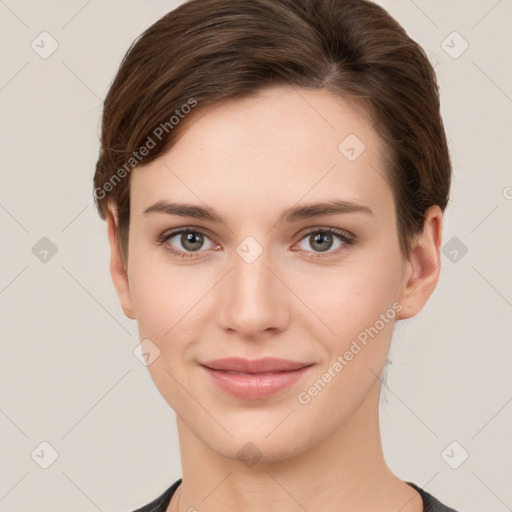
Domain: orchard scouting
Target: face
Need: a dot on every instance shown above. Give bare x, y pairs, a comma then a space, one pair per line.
270, 277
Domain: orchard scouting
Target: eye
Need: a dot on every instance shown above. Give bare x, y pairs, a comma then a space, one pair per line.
188, 241
324, 239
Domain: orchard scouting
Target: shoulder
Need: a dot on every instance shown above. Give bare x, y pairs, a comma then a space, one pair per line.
431, 504
161, 503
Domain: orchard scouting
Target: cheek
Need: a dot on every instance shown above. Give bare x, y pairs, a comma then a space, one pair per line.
168, 299
352, 297
154, 299
361, 310
169, 310
359, 305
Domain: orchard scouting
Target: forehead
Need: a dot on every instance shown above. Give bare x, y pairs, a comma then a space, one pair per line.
274, 149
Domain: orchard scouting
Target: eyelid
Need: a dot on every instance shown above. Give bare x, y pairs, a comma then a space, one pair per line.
178, 254
187, 229
167, 235
327, 229
346, 238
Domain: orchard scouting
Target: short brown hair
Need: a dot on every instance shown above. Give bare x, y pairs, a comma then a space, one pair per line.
205, 51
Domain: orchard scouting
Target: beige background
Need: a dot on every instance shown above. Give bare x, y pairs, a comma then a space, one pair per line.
68, 376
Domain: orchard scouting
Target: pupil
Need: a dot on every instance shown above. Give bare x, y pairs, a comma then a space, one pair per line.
191, 241
322, 237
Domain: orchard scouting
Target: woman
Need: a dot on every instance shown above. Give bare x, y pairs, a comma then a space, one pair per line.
274, 175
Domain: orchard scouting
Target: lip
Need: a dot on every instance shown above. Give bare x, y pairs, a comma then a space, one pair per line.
266, 364
255, 379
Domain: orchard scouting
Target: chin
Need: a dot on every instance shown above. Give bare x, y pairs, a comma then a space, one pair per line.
258, 451
256, 446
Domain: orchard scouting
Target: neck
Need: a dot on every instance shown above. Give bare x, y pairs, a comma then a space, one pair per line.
345, 472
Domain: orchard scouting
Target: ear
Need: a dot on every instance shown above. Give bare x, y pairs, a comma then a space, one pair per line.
423, 266
117, 269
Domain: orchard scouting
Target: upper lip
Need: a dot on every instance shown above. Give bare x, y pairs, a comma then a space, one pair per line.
266, 364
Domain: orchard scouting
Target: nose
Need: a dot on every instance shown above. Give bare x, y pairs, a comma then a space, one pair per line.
252, 300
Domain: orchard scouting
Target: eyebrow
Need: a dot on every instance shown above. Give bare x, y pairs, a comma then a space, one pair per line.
293, 214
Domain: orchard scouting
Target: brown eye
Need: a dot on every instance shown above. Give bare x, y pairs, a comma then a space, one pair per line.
191, 241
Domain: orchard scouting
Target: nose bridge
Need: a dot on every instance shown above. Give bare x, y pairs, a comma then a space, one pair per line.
250, 271
251, 298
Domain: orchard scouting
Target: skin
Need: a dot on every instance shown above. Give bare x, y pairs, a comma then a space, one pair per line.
250, 159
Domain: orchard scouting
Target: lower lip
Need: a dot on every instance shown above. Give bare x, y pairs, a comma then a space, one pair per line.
256, 386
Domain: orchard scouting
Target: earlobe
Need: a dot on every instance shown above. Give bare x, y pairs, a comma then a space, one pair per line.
423, 266
117, 269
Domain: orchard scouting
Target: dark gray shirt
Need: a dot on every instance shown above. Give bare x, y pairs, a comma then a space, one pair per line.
430, 504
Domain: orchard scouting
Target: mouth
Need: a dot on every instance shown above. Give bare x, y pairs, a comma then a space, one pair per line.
256, 379
264, 365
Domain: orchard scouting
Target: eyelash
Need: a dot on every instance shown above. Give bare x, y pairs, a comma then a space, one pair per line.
347, 239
